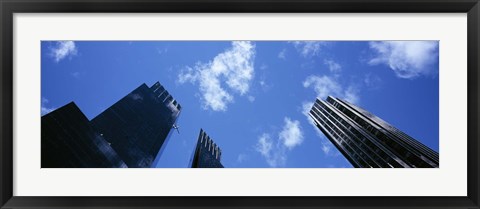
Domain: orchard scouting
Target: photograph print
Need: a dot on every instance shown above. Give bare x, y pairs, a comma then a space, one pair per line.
239, 104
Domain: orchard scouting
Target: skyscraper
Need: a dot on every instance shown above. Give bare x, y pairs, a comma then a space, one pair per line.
207, 154
135, 129
368, 141
138, 124
69, 141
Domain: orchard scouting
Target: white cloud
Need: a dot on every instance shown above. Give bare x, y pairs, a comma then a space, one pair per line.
274, 154
408, 59
277, 158
308, 48
291, 135
265, 147
44, 109
162, 50
372, 81
351, 95
188, 75
306, 107
282, 54
264, 85
325, 86
63, 49
241, 158
214, 96
251, 98
232, 68
326, 149
332, 66
275, 150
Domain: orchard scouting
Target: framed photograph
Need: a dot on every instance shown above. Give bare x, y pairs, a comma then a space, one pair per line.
264, 104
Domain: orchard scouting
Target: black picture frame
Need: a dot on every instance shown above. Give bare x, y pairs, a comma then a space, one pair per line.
9, 7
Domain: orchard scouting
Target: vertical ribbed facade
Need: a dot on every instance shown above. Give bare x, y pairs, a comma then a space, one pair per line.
207, 154
138, 125
366, 140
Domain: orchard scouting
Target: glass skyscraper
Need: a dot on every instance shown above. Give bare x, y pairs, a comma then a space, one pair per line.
69, 141
135, 128
366, 140
207, 154
138, 124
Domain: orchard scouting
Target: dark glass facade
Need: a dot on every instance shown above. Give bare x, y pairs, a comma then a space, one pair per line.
207, 154
69, 141
135, 128
366, 140
139, 123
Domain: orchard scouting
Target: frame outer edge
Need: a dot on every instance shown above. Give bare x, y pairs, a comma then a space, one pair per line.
6, 105
241, 6
2, 202
473, 103
6, 95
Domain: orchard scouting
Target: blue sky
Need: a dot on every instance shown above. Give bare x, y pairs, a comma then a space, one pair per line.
252, 97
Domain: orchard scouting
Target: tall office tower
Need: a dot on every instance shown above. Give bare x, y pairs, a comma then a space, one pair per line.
138, 125
69, 141
207, 154
368, 141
